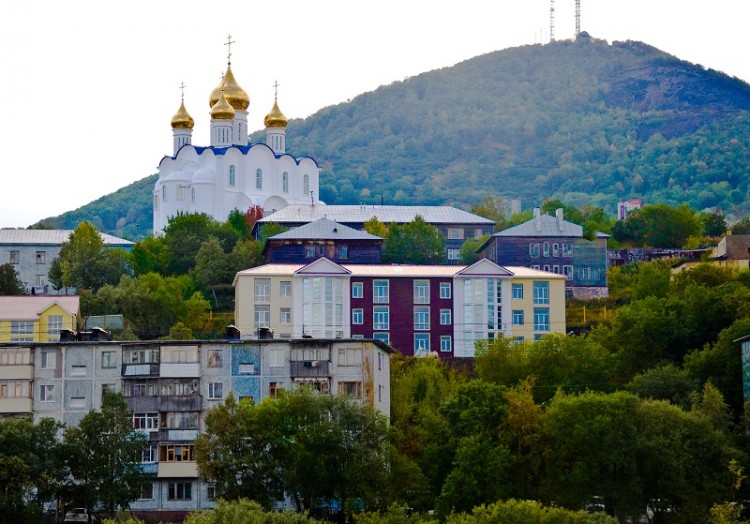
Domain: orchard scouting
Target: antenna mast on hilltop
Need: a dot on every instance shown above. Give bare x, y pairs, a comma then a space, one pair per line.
578, 17
551, 20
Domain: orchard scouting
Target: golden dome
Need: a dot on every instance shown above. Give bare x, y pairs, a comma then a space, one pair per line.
275, 118
181, 119
235, 95
222, 110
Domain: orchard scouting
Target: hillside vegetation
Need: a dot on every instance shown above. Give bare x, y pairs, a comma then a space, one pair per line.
585, 121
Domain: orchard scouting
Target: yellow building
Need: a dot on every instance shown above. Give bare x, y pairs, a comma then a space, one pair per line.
36, 318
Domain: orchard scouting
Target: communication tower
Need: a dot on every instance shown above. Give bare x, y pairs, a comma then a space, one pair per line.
551, 20
578, 17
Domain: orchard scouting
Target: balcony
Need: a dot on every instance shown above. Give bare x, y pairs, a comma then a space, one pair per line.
310, 369
181, 370
19, 372
15, 405
148, 468
177, 469
180, 403
140, 370
177, 435
143, 404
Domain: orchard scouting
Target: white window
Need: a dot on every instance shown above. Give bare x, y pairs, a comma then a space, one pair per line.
180, 491
22, 327
380, 320
380, 292
192, 194
146, 491
47, 393
455, 233
285, 182
351, 389
164, 193
421, 343
555, 250
445, 317
305, 184
146, 421
150, 454
15, 257
357, 316
247, 368
568, 272
49, 359
232, 178
41, 257
518, 317
567, 250
382, 337
534, 249
421, 318
445, 343
262, 316
421, 291
285, 315
445, 290
259, 179
541, 292
285, 289
545, 249
541, 319
454, 254
215, 390
517, 291
262, 290
357, 290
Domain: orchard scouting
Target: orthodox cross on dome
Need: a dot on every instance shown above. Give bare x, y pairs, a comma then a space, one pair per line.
182, 91
229, 48
275, 90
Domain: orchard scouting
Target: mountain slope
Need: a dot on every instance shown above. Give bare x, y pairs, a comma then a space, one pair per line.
583, 121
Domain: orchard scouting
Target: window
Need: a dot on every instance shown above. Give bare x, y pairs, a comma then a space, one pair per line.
262, 316
215, 358
180, 420
305, 184
22, 327
262, 290
567, 250
232, 179
285, 182
211, 491
109, 359
445, 343
215, 390
568, 272
517, 291
247, 368
382, 337
277, 358
192, 194
78, 370
40, 280
274, 389
518, 317
285, 315
285, 288
518, 340
177, 453
15, 257
380, 292
77, 402
357, 290
445, 290
555, 250
534, 249
545, 249
421, 291
380, 319
150, 454
259, 179
541, 292
455, 233
146, 491
47, 393
478, 232
421, 343
454, 254
41, 257
352, 389
309, 251
164, 193
49, 359
445, 317
541, 319
147, 421
343, 252
421, 318
357, 316
180, 491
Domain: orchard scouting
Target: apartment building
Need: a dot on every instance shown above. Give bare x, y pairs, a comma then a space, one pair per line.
414, 309
37, 318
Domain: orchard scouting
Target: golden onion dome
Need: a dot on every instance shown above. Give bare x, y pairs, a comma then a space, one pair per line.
236, 96
181, 119
275, 118
222, 109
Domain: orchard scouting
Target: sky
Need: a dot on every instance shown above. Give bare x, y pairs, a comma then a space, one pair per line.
88, 87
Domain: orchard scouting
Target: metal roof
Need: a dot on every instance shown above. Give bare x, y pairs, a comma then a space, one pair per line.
543, 226
53, 237
325, 229
30, 307
385, 214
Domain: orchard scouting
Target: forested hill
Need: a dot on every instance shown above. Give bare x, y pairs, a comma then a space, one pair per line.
584, 121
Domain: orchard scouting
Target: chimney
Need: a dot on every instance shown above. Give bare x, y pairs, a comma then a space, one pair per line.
232, 332
559, 217
538, 219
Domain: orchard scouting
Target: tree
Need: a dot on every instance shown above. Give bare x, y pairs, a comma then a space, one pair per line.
211, 267
104, 456
713, 224
375, 227
658, 225
184, 235
469, 249
496, 209
244, 511
10, 284
416, 242
269, 229
741, 227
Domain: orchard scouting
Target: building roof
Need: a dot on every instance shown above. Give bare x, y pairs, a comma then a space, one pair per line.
52, 237
324, 229
543, 226
30, 307
385, 214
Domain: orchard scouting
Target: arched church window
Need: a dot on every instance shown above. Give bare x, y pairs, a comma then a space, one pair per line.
285, 182
231, 175
164, 193
306, 184
192, 194
156, 202
259, 179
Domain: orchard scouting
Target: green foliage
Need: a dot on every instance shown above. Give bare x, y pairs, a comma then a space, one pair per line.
469, 249
244, 511
415, 242
376, 227
664, 382
269, 229
527, 512
713, 224
639, 280
496, 209
104, 455
10, 284
184, 235
658, 226
741, 227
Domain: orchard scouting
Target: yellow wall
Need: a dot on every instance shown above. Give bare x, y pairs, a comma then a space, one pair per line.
41, 325
556, 307
245, 305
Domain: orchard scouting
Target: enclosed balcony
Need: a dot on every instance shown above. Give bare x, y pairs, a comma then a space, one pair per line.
310, 369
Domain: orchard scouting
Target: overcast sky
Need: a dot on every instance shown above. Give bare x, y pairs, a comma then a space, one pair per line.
88, 88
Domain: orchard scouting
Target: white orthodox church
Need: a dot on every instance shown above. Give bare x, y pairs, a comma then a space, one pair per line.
231, 173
